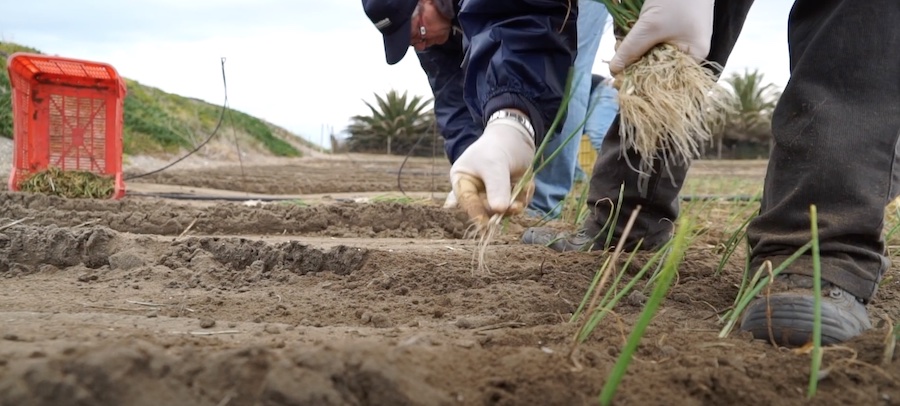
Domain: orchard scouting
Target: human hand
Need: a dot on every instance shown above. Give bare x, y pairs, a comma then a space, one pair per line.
484, 175
687, 24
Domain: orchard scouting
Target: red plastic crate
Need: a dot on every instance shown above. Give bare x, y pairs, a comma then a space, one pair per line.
67, 113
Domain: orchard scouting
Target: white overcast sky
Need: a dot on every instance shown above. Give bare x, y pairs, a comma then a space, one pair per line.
301, 64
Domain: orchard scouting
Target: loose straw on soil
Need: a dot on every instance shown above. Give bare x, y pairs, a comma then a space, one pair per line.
70, 184
669, 104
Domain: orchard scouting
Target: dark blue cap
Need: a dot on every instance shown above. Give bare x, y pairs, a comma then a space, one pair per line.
392, 18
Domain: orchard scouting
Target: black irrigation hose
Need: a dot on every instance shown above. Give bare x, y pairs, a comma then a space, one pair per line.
188, 196
408, 154
202, 144
724, 198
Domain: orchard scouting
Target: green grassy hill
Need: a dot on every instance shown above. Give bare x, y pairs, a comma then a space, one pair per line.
158, 122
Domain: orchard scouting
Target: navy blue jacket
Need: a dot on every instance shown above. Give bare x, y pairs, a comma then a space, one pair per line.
443, 66
510, 54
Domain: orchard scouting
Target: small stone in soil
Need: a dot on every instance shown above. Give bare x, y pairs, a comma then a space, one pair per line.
365, 317
207, 322
381, 320
465, 324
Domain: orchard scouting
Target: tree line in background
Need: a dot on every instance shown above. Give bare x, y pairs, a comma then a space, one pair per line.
396, 122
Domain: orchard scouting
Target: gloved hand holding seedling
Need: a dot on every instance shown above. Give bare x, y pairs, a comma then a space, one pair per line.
493, 178
486, 175
669, 102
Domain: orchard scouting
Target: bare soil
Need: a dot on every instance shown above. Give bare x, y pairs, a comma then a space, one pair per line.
192, 291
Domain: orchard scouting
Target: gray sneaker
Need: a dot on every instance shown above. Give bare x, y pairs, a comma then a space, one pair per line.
561, 241
786, 317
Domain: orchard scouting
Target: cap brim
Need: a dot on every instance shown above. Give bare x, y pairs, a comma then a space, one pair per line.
397, 44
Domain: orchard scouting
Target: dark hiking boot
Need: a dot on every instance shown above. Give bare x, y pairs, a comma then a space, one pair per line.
786, 316
562, 242
583, 240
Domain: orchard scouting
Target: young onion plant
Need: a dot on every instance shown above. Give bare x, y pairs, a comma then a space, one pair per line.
603, 296
669, 103
488, 229
751, 288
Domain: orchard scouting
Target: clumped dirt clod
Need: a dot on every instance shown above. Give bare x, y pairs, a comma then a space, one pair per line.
344, 219
109, 303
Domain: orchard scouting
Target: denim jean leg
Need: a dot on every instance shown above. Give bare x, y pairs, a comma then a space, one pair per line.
657, 194
836, 131
554, 181
601, 113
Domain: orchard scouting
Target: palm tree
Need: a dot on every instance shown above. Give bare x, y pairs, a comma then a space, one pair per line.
395, 123
751, 118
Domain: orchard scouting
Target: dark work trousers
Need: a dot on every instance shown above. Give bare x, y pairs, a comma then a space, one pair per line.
657, 194
836, 129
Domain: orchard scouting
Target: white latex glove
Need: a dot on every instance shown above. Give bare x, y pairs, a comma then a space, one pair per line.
450, 202
687, 24
484, 175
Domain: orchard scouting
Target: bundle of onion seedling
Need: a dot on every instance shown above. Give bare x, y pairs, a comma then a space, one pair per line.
669, 104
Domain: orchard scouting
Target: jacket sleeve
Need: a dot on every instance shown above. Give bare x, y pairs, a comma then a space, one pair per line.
519, 56
442, 64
